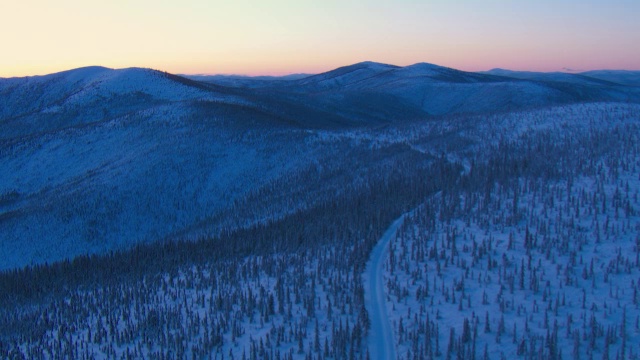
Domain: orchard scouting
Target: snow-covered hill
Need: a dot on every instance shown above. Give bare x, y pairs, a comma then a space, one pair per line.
39, 104
519, 240
631, 78
437, 90
94, 159
574, 78
534, 254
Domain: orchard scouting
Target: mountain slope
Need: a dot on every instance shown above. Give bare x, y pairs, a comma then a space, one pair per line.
344, 76
631, 78
437, 90
522, 244
43, 103
573, 78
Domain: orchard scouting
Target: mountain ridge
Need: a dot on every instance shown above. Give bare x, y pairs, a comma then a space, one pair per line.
74, 141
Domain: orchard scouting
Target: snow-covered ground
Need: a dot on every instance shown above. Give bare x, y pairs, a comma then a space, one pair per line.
534, 254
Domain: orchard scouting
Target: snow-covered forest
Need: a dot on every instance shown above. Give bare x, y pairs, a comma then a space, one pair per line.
534, 254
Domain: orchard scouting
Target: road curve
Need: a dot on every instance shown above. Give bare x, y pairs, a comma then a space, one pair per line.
381, 340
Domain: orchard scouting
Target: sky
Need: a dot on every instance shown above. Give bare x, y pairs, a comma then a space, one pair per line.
276, 37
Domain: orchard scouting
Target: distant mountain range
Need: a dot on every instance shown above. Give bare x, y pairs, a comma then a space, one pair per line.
435, 90
602, 77
363, 93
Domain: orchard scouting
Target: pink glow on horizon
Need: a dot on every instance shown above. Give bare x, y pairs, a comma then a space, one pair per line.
279, 37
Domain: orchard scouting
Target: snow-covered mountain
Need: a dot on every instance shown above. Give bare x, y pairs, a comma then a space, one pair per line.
437, 90
573, 78
631, 78
43, 103
95, 158
595, 77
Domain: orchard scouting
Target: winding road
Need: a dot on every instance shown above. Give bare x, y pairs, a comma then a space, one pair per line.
381, 340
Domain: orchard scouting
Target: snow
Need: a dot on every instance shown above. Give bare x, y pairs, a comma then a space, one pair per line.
95, 160
129, 180
454, 284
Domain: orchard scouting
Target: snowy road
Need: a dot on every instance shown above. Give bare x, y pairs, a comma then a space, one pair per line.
381, 340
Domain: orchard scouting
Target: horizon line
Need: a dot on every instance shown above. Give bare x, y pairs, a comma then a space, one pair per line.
286, 73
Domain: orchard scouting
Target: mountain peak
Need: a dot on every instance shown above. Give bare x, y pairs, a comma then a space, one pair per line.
426, 65
368, 65
349, 74
373, 64
424, 69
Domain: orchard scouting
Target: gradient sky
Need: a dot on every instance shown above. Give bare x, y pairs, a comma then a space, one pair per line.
273, 37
